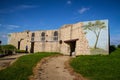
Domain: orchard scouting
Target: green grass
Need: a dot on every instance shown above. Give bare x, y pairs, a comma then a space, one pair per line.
22, 68
98, 67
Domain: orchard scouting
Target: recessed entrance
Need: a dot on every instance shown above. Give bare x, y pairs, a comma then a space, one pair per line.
18, 45
32, 47
72, 45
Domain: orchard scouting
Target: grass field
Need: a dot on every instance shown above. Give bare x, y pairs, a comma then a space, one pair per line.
22, 68
98, 67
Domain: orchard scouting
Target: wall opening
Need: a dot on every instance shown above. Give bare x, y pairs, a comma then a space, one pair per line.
32, 36
32, 47
43, 36
72, 45
55, 37
18, 45
19, 42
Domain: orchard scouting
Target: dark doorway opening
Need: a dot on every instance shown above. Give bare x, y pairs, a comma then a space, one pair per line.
19, 42
72, 45
18, 45
32, 47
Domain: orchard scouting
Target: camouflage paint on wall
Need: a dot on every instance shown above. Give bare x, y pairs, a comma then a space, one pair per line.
97, 34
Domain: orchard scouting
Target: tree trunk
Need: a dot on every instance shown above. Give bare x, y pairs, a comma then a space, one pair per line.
97, 37
95, 46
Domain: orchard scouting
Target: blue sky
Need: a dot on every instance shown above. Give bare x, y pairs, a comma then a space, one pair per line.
21, 15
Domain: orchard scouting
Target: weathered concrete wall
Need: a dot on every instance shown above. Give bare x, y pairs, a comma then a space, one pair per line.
65, 33
39, 46
82, 47
72, 32
15, 37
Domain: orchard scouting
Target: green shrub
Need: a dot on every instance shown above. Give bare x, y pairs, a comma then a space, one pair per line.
8, 49
21, 51
112, 48
1, 53
0, 47
118, 46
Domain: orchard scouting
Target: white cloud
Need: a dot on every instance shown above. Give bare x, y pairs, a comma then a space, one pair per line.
4, 30
82, 10
21, 7
115, 39
69, 2
12, 27
17, 8
4, 36
8, 27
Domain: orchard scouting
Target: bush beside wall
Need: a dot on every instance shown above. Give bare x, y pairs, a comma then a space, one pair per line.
7, 49
21, 51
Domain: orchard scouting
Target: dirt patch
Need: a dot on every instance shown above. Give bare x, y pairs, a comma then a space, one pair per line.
55, 68
52, 68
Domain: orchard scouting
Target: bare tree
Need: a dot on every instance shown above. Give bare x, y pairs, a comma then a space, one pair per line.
96, 28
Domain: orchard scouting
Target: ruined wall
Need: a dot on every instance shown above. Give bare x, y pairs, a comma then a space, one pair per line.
20, 36
82, 47
48, 45
65, 33
74, 32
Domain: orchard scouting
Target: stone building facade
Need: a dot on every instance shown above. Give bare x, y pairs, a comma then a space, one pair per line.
66, 40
